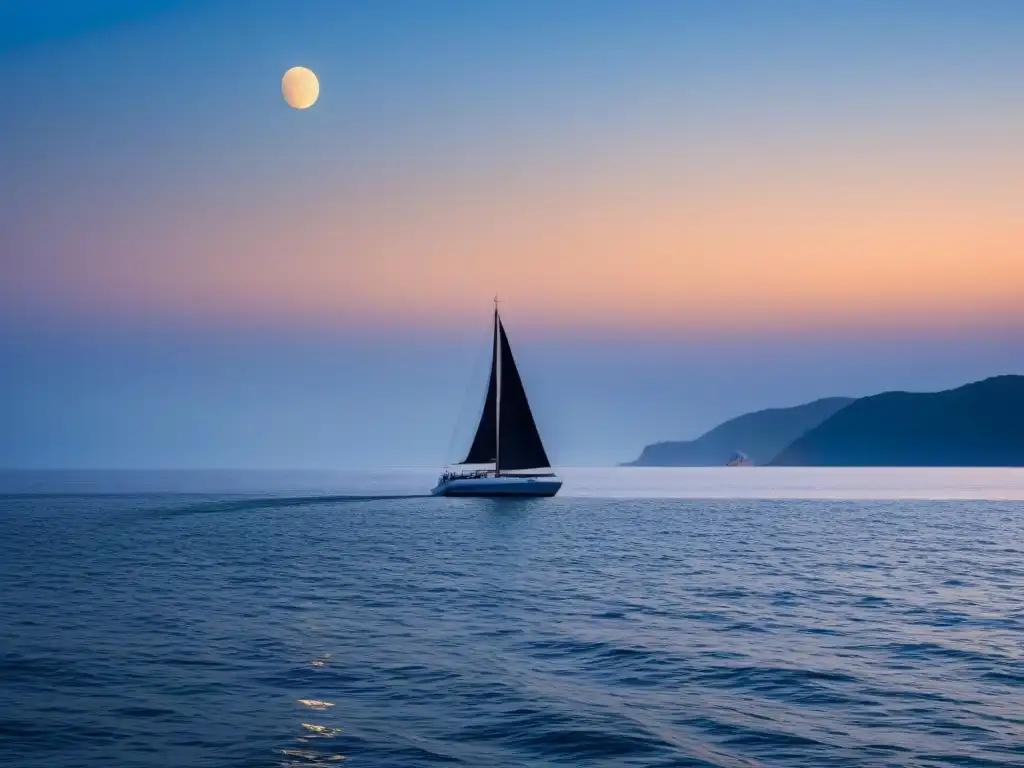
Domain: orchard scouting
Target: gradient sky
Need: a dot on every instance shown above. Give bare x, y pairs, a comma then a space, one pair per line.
689, 209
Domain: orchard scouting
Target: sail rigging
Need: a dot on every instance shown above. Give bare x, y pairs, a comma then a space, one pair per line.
507, 434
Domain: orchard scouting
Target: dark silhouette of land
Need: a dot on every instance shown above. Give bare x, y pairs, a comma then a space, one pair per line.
977, 425
760, 435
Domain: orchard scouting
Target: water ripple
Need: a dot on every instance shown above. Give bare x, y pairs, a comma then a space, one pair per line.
170, 629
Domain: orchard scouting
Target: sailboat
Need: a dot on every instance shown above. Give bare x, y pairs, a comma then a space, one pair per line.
739, 459
507, 449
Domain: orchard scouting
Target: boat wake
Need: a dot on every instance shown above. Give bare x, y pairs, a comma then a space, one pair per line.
274, 502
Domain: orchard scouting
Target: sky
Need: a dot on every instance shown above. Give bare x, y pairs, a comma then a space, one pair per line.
688, 209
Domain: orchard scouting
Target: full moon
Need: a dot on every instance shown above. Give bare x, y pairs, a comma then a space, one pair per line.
300, 87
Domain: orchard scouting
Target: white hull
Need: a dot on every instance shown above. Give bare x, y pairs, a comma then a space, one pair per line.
504, 485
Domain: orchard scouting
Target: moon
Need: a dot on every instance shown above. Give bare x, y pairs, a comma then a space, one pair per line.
300, 88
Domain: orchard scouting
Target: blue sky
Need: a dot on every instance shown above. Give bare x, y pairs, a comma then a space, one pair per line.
158, 400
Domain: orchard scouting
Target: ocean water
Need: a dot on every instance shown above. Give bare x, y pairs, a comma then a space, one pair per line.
737, 617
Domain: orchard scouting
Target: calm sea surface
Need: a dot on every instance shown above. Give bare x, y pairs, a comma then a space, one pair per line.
734, 617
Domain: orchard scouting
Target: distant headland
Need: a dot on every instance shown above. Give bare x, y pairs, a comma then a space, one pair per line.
761, 435
976, 425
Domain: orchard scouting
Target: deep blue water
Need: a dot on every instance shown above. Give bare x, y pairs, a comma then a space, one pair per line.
173, 627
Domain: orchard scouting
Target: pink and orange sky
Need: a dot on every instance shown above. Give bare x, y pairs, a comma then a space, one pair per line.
670, 167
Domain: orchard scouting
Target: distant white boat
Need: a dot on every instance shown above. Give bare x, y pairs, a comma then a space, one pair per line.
739, 459
507, 452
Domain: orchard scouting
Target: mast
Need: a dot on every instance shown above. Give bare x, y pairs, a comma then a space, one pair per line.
497, 399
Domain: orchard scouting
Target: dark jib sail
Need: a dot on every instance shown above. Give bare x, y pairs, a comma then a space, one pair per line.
486, 441
516, 437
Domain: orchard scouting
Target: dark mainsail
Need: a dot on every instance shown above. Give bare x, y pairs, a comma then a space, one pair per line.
519, 444
507, 435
